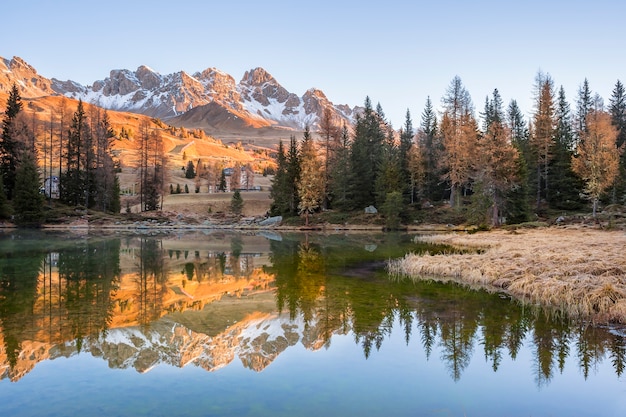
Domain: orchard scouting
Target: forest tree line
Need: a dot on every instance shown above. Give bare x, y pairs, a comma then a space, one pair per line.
495, 168
73, 151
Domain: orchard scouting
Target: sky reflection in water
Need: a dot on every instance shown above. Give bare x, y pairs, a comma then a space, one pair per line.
346, 340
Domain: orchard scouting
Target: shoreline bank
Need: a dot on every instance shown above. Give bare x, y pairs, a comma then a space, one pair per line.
581, 272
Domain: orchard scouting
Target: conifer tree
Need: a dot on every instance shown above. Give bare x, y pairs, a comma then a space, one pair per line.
107, 188
279, 192
565, 185
152, 165
190, 171
617, 110
236, 203
222, 183
293, 176
73, 181
406, 141
460, 133
597, 160
496, 168
584, 104
329, 132
284, 185
431, 148
28, 201
517, 207
10, 146
365, 156
417, 172
542, 136
340, 173
311, 182
389, 178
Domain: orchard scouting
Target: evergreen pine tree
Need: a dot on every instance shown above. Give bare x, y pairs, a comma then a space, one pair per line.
236, 203
293, 176
190, 171
28, 201
566, 187
10, 146
617, 110
106, 184
365, 157
517, 199
279, 192
431, 149
406, 141
340, 174
389, 178
114, 202
222, 184
542, 137
584, 104
74, 180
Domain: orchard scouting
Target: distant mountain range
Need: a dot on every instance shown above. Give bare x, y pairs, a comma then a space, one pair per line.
209, 100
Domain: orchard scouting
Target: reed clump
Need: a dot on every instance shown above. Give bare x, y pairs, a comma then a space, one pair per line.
581, 272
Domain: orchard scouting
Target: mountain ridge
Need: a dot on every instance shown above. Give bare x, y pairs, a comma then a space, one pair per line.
258, 100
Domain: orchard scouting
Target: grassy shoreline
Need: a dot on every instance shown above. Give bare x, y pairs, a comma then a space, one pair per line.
581, 272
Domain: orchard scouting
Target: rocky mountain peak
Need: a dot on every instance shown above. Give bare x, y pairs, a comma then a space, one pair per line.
148, 78
257, 77
258, 100
28, 81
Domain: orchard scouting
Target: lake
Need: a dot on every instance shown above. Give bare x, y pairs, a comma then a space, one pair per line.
266, 324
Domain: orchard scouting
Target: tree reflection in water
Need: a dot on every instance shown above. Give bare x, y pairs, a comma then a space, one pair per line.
70, 292
353, 293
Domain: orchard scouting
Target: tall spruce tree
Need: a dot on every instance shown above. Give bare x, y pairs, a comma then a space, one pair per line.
407, 135
10, 147
617, 110
73, 181
106, 184
293, 176
279, 193
28, 201
340, 173
431, 148
584, 104
542, 136
517, 207
389, 178
565, 185
366, 156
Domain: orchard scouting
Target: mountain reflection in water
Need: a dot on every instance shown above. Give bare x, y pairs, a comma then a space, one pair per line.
205, 299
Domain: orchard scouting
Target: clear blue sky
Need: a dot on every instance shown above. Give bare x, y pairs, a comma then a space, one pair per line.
397, 52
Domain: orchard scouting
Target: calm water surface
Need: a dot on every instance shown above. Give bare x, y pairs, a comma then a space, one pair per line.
218, 324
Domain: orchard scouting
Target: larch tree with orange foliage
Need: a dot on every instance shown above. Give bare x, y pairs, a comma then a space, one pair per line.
459, 131
542, 134
597, 158
311, 182
497, 160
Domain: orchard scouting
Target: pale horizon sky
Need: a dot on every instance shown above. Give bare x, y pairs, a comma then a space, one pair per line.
396, 52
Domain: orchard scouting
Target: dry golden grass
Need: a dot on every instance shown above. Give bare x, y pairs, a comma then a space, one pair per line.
579, 271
